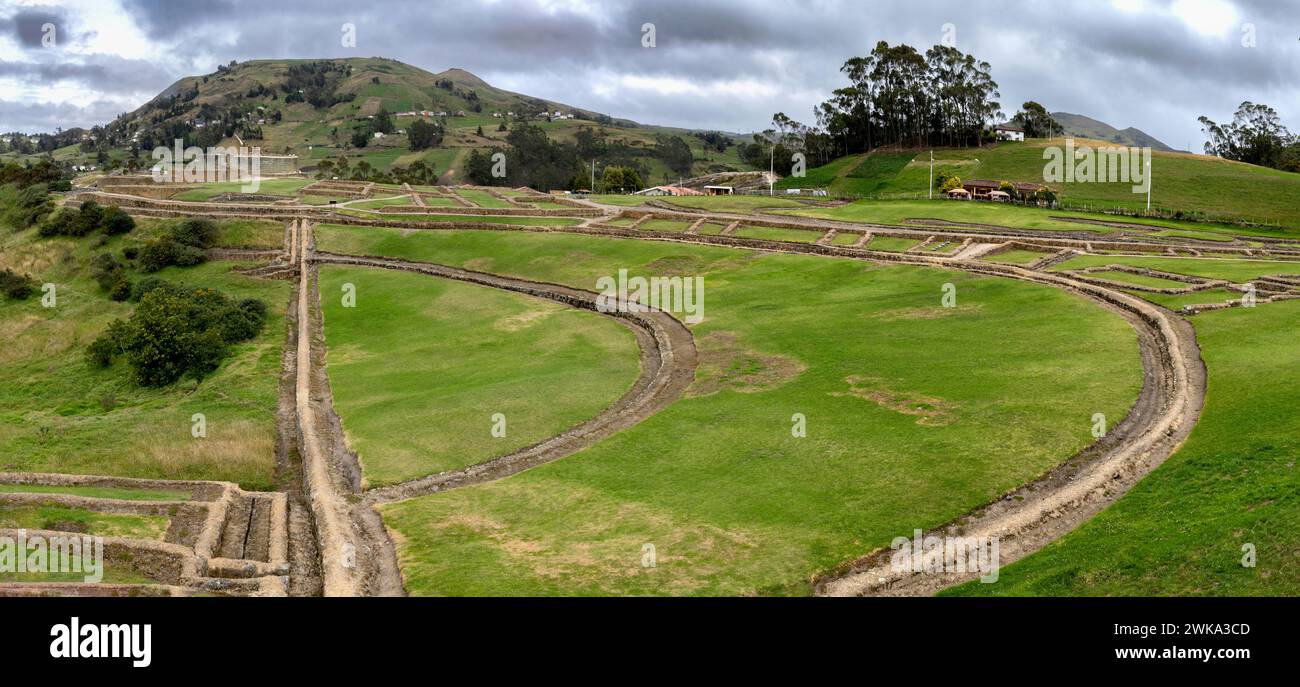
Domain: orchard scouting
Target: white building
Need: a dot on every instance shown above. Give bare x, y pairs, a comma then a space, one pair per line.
1007, 132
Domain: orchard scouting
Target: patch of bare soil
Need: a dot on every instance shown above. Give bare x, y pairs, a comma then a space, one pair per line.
929, 411
927, 313
726, 364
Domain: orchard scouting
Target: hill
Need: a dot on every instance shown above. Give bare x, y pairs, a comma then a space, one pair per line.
1087, 127
1206, 187
312, 108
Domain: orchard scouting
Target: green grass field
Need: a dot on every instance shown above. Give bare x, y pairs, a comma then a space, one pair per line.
482, 199
420, 366
1138, 279
1181, 530
1220, 189
484, 219
1017, 257
280, 187
1237, 271
59, 414
893, 212
915, 414
779, 234
891, 243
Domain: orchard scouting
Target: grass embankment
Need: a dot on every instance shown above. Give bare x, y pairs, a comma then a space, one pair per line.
421, 365
1192, 183
462, 219
1181, 531
915, 414
894, 212
1238, 271
276, 187
62, 518
121, 493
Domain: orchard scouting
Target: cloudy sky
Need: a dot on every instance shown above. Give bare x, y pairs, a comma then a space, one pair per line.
724, 64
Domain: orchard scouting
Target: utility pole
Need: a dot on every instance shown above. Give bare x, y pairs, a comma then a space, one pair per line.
593, 175
1149, 182
771, 172
931, 196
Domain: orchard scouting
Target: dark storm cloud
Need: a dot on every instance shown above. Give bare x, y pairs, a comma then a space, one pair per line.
100, 74
28, 25
742, 60
163, 18
31, 117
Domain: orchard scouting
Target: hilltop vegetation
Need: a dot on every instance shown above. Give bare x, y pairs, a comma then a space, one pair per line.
376, 116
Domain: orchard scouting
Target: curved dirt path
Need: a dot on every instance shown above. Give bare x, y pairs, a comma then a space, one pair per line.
1033, 515
668, 361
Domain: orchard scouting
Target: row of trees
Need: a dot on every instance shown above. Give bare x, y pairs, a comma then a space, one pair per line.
896, 95
419, 172
1255, 135
532, 159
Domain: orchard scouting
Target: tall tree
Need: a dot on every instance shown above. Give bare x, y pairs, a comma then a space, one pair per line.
1256, 135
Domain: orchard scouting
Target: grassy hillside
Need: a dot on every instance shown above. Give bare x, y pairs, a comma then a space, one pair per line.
1213, 187
358, 90
60, 414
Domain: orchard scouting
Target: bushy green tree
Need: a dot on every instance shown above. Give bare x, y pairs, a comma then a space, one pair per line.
177, 332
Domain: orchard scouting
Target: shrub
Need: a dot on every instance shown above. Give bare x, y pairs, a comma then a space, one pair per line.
89, 218
197, 232
100, 352
106, 270
177, 332
157, 254
187, 256
131, 252
146, 285
28, 207
16, 286
116, 221
59, 223
120, 291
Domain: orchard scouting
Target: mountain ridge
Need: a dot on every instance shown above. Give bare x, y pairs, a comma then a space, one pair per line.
1088, 127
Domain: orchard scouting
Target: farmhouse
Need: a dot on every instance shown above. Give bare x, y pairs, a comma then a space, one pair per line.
1008, 132
984, 188
719, 190
669, 191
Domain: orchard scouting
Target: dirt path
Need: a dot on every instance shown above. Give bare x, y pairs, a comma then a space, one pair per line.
357, 557
668, 360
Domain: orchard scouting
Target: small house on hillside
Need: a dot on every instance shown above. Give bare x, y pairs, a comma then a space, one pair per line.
669, 191
1009, 132
719, 190
984, 188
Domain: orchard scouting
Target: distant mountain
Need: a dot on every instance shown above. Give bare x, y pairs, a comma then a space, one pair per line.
1087, 127
315, 108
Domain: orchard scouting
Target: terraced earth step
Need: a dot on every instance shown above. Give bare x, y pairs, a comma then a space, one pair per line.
246, 533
